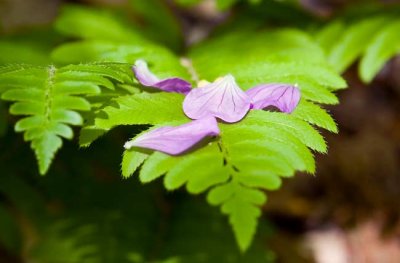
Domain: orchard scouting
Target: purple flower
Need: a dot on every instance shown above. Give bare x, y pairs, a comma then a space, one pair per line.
148, 79
222, 99
283, 96
178, 139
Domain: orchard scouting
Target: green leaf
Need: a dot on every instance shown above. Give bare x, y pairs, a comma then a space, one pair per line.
281, 151
315, 72
103, 36
143, 108
51, 97
45, 146
131, 160
156, 165
374, 39
384, 45
243, 213
252, 154
89, 134
298, 128
220, 194
274, 138
313, 114
270, 56
260, 179
90, 23
353, 42
265, 146
280, 56
311, 90
265, 164
162, 26
200, 170
31, 46
327, 37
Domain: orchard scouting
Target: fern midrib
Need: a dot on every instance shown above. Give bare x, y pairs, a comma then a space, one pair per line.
227, 161
49, 94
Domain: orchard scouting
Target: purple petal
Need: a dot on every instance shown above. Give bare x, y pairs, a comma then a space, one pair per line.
176, 140
143, 74
148, 79
283, 96
222, 99
174, 85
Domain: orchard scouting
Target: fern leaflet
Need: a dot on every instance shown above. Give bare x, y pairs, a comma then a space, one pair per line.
51, 98
374, 40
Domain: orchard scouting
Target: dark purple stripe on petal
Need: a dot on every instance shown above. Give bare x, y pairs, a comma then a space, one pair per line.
148, 79
283, 96
176, 140
174, 85
222, 99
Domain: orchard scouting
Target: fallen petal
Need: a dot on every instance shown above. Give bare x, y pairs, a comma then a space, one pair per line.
222, 99
143, 74
174, 85
178, 139
148, 79
283, 96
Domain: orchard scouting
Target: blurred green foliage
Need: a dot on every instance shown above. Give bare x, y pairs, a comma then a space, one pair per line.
97, 217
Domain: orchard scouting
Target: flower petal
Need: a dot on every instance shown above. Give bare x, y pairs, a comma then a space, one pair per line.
143, 74
283, 96
148, 79
222, 99
174, 85
176, 140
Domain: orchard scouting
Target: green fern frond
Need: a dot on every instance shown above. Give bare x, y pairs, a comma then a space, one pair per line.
373, 40
103, 36
298, 128
243, 210
384, 45
143, 108
192, 171
92, 23
51, 98
315, 115
156, 165
278, 138
284, 56
253, 154
131, 161
353, 42
250, 155
94, 50
202, 170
